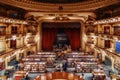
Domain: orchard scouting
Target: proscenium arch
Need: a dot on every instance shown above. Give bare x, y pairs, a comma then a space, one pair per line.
82, 33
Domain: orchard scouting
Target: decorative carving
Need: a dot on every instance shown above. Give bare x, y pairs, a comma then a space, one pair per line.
61, 18
89, 25
32, 20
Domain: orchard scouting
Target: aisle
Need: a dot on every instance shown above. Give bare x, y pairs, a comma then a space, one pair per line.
87, 76
34, 75
107, 68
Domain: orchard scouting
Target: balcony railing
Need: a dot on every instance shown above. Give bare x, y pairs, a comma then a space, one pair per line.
108, 52
109, 35
11, 51
7, 33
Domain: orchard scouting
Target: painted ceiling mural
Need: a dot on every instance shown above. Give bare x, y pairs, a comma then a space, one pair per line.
59, 1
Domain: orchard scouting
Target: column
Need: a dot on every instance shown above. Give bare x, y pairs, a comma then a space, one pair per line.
22, 28
95, 53
17, 56
2, 44
103, 57
39, 43
21, 38
83, 36
8, 29
112, 66
6, 63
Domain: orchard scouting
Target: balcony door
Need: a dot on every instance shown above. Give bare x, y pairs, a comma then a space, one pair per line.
13, 44
107, 43
14, 30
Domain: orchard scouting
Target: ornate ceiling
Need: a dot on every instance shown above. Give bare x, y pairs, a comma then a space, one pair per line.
60, 9
59, 1
32, 5
109, 11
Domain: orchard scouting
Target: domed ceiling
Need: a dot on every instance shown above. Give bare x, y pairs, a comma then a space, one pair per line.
64, 10
60, 5
59, 1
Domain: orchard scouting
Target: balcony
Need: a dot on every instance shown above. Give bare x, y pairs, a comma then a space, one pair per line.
11, 51
108, 51
8, 34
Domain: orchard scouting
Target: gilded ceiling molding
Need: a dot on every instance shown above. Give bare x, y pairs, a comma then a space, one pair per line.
79, 6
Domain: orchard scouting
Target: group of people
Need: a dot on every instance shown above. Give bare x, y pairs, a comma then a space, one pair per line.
61, 51
26, 78
61, 66
62, 48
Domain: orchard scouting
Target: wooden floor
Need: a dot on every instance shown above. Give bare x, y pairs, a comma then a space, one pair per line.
58, 76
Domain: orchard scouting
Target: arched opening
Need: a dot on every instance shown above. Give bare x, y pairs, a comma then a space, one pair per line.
71, 30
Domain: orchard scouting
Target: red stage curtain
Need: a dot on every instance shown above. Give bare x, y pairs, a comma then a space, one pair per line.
48, 37
74, 37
